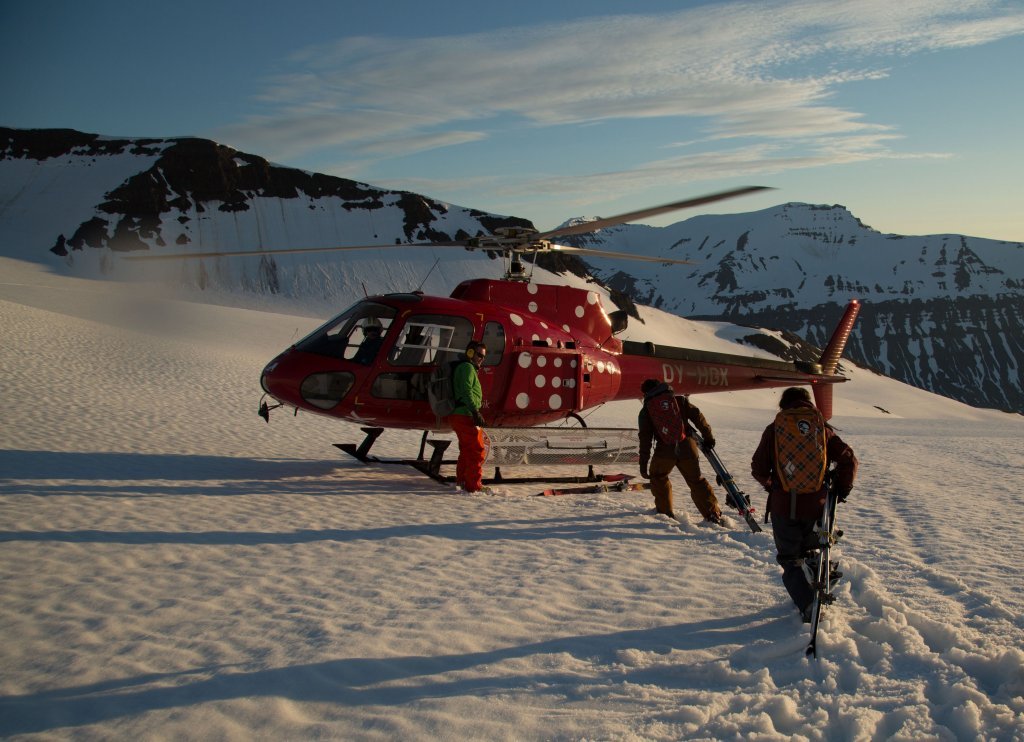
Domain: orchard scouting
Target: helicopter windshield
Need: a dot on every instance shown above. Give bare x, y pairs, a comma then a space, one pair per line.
356, 334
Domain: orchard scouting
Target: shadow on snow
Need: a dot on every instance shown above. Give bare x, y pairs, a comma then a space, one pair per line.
359, 681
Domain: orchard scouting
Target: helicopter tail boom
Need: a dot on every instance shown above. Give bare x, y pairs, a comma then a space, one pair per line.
692, 371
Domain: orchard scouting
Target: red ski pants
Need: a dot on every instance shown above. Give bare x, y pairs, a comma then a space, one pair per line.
469, 471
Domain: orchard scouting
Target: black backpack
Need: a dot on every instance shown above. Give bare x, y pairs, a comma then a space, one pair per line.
441, 388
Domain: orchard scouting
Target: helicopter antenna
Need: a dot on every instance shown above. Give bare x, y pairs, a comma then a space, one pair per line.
420, 287
365, 293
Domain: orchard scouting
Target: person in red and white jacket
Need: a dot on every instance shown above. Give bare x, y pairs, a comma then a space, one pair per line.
682, 456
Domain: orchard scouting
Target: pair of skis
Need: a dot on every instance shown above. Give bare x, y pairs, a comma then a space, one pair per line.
824, 576
734, 496
607, 483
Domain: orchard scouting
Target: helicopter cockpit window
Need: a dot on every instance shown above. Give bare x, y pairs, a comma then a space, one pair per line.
355, 335
370, 334
424, 336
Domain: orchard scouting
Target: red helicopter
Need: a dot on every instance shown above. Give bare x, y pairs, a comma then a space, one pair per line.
552, 350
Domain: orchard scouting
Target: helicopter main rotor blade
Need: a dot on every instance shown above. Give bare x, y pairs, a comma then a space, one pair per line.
517, 243
283, 251
611, 221
584, 252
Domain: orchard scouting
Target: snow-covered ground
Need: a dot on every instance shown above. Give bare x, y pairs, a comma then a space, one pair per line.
174, 567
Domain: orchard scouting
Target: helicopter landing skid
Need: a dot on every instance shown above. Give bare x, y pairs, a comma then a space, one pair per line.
432, 466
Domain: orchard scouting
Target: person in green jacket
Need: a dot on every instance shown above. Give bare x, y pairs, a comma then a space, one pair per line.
466, 420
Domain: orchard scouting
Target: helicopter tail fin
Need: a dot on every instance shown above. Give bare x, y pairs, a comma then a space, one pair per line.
830, 357
823, 399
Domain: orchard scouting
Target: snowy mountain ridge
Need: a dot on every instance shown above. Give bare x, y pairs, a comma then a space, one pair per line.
798, 254
940, 312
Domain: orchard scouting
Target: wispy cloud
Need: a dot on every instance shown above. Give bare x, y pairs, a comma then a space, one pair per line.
747, 161
754, 160
757, 70
409, 145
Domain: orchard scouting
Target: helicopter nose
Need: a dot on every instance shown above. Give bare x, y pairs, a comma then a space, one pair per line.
292, 379
326, 390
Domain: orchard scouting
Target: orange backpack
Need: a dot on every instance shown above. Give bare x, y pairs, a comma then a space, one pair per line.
800, 456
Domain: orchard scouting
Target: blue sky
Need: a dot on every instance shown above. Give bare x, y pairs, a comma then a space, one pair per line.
909, 113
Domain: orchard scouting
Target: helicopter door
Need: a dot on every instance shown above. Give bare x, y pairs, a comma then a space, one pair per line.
425, 337
423, 341
544, 380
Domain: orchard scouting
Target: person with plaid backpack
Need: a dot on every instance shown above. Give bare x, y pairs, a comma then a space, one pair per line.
796, 454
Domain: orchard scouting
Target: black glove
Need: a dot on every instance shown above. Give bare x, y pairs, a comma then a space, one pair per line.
643, 471
842, 494
709, 441
478, 418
